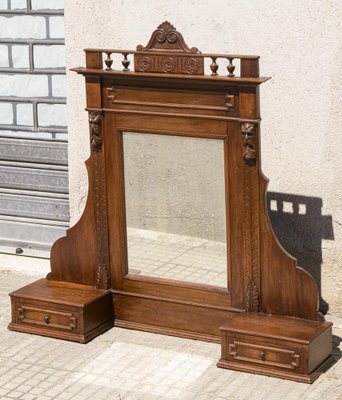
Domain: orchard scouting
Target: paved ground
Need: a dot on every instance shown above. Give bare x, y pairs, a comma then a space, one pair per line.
123, 364
186, 258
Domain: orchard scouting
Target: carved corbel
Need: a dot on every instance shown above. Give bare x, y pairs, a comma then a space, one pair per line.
249, 143
111, 95
95, 120
230, 101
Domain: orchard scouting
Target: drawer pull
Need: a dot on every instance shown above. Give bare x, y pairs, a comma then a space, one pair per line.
262, 356
46, 319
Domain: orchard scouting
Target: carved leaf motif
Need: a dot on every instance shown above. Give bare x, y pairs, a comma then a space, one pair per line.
252, 298
249, 143
102, 277
95, 118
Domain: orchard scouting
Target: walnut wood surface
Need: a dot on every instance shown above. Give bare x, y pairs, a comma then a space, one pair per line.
262, 277
280, 346
282, 327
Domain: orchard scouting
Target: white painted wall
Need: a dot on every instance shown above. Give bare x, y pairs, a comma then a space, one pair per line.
300, 48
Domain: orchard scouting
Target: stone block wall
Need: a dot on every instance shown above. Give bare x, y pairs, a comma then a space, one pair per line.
34, 208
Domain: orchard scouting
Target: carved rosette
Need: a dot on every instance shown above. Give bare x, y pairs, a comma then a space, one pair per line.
192, 65
249, 143
144, 63
166, 39
102, 280
168, 64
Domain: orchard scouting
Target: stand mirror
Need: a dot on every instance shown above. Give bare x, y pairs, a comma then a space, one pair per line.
175, 236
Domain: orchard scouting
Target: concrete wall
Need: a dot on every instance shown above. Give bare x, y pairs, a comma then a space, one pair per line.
300, 49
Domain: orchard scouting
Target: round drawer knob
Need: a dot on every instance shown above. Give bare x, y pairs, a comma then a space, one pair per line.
262, 356
46, 319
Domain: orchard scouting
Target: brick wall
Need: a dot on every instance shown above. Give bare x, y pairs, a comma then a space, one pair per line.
33, 127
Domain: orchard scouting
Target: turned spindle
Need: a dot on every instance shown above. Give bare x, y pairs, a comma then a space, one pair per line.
125, 62
214, 66
108, 61
230, 67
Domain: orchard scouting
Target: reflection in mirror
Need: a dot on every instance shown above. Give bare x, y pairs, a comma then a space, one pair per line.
175, 207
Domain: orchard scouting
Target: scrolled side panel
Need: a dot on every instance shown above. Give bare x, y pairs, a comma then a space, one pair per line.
82, 256
286, 289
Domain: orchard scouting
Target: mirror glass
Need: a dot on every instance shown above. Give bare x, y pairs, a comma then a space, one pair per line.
175, 207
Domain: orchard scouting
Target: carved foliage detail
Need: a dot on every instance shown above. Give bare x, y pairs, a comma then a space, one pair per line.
95, 118
252, 298
249, 143
102, 277
167, 37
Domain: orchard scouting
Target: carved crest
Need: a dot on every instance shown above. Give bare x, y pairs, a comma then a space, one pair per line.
95, 118
249, 143
252, 298
166, 39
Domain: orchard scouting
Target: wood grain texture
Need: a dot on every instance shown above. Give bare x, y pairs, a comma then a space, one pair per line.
280, 346
63, 310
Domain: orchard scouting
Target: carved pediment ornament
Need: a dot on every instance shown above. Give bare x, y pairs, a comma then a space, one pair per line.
167, 37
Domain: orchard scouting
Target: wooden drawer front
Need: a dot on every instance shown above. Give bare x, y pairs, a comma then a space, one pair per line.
260, 354
44, 317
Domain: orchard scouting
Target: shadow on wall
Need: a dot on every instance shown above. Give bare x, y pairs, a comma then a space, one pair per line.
300, 227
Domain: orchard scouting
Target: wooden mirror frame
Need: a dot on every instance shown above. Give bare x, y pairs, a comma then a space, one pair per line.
168, 93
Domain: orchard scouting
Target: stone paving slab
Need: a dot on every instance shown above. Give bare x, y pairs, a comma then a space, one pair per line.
131, 365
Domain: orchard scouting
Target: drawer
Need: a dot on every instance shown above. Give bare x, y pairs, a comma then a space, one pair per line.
264, 355
53, 319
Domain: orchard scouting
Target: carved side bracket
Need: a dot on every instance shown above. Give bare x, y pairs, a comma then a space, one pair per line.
249, 143
95, 119
102, 280
252, 222
166, 39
